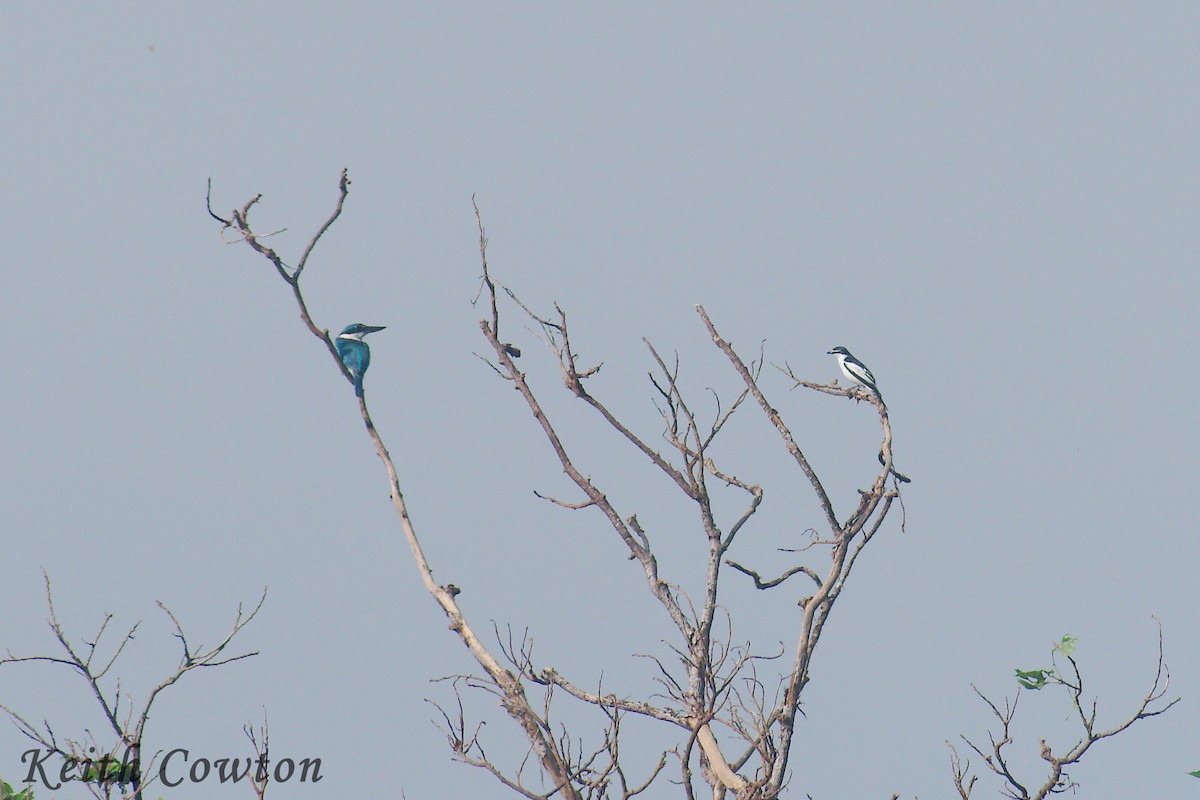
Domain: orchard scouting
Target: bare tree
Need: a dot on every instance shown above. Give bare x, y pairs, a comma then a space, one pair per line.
734, 725
115, 769
716, 683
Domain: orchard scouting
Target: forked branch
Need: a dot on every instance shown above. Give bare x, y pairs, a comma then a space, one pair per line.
995, 754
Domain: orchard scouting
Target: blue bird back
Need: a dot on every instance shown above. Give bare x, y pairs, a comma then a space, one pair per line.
357, 357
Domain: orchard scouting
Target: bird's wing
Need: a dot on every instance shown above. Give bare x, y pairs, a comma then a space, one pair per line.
860, 371
355, 355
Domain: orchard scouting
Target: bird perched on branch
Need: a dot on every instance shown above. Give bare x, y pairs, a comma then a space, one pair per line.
855, 370
354, 351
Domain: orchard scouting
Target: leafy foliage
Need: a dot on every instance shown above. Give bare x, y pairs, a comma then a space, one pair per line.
7, 792
1038, 678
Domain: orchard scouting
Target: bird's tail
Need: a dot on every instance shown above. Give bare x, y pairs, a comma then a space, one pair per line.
358, 392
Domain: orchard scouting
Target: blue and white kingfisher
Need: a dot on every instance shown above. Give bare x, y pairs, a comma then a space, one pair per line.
354, 351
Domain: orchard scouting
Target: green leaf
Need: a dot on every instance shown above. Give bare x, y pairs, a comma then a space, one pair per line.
1034, 679
1066, 645
7, 793
1195, 774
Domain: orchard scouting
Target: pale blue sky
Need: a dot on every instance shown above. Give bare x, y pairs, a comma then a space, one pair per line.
993, 206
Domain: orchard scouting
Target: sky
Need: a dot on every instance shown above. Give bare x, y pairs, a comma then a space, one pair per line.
993, 206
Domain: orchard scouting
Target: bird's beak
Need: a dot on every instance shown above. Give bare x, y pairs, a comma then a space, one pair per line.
372, 328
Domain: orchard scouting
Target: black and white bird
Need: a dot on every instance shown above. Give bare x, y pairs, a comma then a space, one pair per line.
855, 370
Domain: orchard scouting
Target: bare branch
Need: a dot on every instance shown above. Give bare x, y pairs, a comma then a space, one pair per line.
759, 583
657, 586
776, 420
550, 676
260, 741
572, 506
204, 658
208, 204
343, 190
